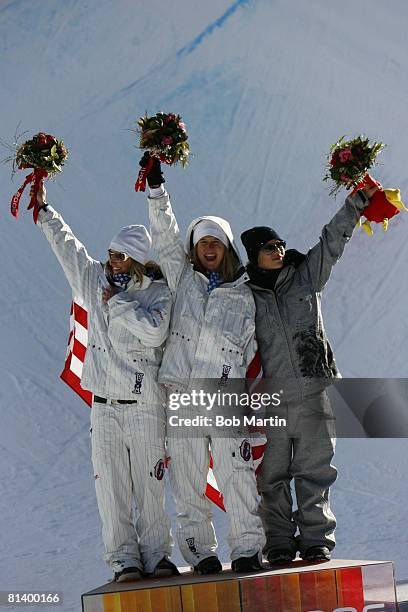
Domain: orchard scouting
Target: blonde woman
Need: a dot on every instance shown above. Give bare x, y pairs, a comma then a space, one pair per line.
129, 312
212, 337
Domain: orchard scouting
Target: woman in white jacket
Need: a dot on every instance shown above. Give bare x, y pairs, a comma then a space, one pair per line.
128, 324
212, 336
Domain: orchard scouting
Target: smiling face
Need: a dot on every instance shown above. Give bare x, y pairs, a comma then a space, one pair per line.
210, 252
271, 255
118, 264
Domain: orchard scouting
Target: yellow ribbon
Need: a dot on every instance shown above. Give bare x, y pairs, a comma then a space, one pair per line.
394, 198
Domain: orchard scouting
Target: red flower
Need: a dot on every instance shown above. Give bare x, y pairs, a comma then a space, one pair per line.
182, 126
42, 139
167, 140
45, 140
345, 155
170, 117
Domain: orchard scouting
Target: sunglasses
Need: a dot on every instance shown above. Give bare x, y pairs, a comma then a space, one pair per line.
270, 248
116, 256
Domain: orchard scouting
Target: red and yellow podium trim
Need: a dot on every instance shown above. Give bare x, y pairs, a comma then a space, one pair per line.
302, 587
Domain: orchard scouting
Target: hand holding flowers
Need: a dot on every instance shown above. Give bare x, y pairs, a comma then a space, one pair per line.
348, 165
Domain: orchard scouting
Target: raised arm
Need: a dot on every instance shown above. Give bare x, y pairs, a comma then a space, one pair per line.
322, 257
150, 323
166, 238
70, 252
163, 225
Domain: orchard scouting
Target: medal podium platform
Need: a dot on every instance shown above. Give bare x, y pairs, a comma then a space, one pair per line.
333, 586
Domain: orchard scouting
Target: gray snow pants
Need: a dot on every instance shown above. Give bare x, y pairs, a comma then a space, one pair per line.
302, 451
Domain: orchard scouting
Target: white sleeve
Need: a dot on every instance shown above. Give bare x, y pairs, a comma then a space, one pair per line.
70, 252
250, 350
166, 239
149, 324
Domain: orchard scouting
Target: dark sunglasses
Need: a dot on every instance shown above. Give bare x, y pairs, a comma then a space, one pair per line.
270, 248
116, 256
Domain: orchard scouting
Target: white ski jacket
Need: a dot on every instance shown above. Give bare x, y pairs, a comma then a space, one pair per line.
126, 335
211, 335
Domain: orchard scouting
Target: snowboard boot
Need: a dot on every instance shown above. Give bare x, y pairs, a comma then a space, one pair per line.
281, 557
247, 564
317, 553
164, 568
209, 565
129, 574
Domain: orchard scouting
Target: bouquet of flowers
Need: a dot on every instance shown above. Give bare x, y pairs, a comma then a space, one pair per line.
348, 165
349, 161
46, 155
165, 137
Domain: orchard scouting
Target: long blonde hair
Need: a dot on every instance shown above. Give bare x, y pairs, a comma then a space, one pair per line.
229, 265
137, 270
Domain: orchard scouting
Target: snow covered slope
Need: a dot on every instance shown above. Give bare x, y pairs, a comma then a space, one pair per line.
264, 87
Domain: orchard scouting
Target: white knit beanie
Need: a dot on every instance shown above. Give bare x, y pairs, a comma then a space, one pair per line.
134, 240
207, 227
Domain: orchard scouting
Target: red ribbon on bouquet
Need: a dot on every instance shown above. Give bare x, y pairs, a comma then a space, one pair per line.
384, 204
35, 177
380, 207
140, 184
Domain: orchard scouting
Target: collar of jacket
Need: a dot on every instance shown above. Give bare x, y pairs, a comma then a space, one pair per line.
132, 284
292, 261
241, 278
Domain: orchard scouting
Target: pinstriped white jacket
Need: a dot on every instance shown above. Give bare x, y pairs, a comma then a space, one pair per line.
126, 335
207, 332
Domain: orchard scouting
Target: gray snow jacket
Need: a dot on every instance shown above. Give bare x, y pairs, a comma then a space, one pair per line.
126, 335
291, 337
210, 335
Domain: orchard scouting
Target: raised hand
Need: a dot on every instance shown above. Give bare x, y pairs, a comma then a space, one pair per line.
369, 190
41, 194
154, 171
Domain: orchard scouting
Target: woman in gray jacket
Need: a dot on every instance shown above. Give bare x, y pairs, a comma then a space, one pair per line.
212, 337
129, 315
296, 355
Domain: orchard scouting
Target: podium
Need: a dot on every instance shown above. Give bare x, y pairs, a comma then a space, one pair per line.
333, 586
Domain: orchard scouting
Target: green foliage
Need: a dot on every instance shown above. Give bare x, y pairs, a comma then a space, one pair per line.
42, 151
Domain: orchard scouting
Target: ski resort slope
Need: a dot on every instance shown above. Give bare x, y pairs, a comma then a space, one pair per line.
264, 86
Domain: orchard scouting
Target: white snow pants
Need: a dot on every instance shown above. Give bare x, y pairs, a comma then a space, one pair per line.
128, 459
234, 471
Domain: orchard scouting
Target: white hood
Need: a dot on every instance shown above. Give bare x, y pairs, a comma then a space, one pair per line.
222, 223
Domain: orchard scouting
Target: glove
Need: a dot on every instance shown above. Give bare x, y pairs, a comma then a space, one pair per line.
155, 176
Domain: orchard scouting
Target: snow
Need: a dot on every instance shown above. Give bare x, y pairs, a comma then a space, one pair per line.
264, 88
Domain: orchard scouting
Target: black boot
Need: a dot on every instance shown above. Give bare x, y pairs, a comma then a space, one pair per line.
209, 565
129, 574
281, 557
247, 564
317, 553
164, 568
